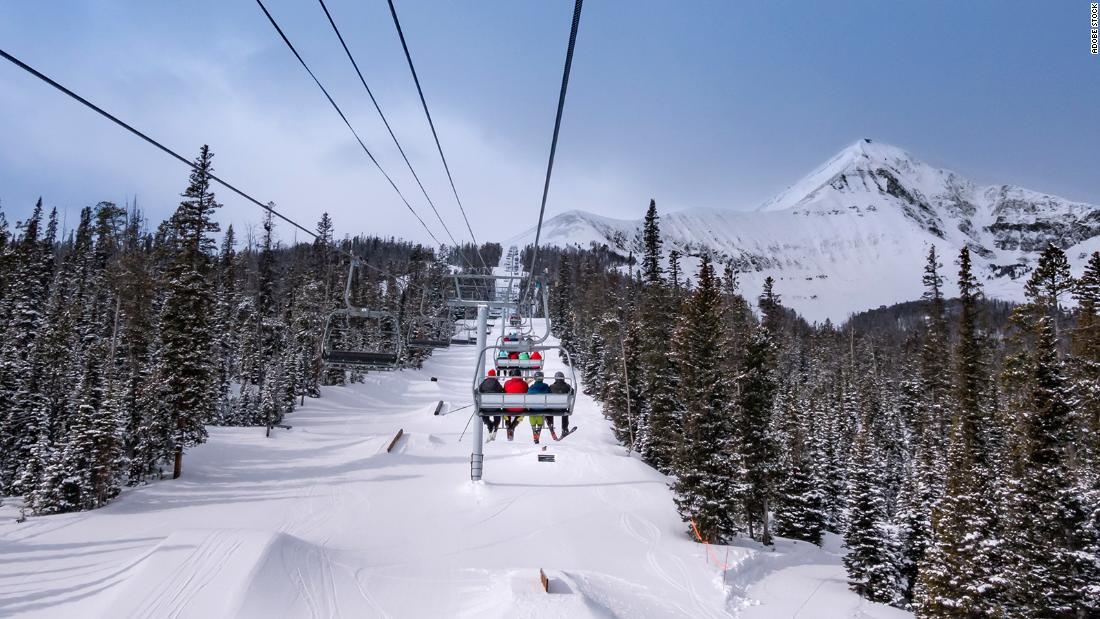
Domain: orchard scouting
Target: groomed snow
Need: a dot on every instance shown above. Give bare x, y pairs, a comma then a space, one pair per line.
319, 521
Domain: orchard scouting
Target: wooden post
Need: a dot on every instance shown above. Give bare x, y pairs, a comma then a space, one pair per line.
438, 408
544, 580
396, 438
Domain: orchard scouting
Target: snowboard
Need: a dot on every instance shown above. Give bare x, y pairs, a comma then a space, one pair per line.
571, 430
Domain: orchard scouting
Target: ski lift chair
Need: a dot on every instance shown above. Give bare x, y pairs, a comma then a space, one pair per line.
525, 365
361, 338
464, 333
546, 404
428, 332
347, 338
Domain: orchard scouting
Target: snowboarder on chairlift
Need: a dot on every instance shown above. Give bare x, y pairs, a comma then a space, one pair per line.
491, 385
537, 420
560, 386
515, 384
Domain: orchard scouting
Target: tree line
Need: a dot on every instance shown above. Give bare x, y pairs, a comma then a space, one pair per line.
119, 344
955, 445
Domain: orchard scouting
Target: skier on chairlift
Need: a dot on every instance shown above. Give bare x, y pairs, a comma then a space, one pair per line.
515, 384
537, 420
560, 386
491, 385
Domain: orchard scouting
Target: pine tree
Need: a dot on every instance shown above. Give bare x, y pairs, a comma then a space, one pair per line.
756, 391
1049, 282
84, 473
755, 397
659, 407
799, 509
1086, 371
674, 281
934, 411
20, 367
770, 306
706, 480
958, 575
225, 324
1048, 529
871, 560
190, 376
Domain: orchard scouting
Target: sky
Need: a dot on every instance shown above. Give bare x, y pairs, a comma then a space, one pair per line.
697, 104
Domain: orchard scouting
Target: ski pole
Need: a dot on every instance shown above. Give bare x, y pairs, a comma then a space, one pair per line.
455, 410
467, 425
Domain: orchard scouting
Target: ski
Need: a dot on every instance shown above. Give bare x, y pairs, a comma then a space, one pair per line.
565, 434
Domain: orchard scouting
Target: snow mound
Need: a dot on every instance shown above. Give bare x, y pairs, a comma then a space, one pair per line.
797, 579
226, 573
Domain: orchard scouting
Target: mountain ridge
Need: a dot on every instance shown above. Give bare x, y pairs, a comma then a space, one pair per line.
853, 234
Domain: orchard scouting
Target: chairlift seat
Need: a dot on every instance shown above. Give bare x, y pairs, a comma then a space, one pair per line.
356, 358
429, 343
517, 345
533, 403
503, 363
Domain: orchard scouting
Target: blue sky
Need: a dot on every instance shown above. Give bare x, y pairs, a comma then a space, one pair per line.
714, 104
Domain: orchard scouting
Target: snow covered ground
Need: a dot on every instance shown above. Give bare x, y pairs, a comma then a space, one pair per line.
319, 521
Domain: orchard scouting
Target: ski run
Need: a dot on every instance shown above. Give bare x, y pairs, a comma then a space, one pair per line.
320, 521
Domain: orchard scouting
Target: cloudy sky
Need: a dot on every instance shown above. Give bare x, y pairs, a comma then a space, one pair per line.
714, 104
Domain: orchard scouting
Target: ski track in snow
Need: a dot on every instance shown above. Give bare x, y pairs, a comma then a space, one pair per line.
319, 521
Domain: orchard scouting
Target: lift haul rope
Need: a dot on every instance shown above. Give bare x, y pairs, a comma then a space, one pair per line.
104, 113
345, 119
386, 122
554, 140
424, 103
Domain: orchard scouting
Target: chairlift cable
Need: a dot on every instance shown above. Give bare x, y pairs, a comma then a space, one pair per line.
424, 104
554, 139
386, 122
345, 119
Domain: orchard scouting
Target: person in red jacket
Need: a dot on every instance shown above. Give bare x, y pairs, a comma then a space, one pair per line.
515, 384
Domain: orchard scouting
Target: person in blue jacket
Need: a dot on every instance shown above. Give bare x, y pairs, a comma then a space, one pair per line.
538, 386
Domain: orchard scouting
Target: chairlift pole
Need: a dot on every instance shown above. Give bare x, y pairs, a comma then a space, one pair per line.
477, 457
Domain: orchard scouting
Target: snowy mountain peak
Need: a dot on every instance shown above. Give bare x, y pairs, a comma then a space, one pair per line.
853, 233
863, 166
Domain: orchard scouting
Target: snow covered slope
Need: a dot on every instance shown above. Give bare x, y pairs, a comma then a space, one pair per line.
853, 234
319, 521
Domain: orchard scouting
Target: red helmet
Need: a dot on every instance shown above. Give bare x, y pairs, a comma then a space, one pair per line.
492, 372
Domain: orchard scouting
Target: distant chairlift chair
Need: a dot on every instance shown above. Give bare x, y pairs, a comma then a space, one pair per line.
361, 338
429, 332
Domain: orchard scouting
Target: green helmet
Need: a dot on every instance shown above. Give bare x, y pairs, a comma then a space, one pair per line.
524, 356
